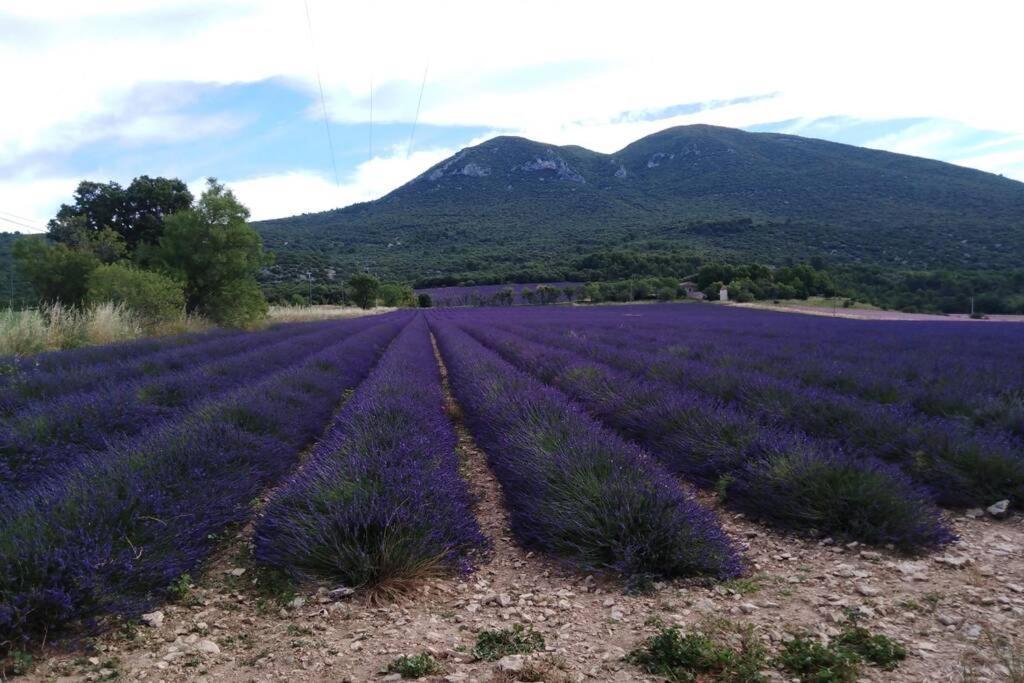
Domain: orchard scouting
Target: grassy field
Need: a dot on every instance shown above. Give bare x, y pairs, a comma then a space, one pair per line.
57, 327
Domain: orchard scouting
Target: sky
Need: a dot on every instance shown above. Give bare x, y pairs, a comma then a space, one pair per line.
113, 89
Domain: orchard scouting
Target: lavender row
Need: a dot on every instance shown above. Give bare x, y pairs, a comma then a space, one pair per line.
782, 478
961, 466
41, 442
380, 501
990, 356
988, 394
109, 538
51, 361
574, 489
43, 383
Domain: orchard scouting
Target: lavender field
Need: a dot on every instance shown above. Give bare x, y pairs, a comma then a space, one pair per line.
618, 437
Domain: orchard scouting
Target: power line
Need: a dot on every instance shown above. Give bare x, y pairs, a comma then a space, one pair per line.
416, 118
371, 117
21, 224
323, 100
23, 218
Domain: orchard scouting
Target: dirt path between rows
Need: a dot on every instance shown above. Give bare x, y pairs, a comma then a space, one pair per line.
942, 607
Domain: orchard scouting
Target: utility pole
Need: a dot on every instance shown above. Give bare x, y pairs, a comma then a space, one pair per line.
972, 306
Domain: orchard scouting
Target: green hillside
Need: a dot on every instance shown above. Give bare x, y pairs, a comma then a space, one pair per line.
511, 207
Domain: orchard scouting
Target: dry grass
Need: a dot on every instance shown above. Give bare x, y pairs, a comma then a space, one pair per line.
63, 327
294, 314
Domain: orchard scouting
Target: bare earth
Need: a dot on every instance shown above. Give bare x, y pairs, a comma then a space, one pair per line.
876, 314
943, 608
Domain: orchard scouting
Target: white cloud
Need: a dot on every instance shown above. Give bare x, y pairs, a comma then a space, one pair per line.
74, 68
286, 194
25, 201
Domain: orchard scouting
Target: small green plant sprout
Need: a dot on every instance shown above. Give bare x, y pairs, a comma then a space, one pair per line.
180, 588
699, 655
415, 666
18, 663
743, 585
518, 640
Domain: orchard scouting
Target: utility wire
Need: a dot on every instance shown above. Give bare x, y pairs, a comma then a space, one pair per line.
416, 118
323, 100
23, 218
20, 224
371, 117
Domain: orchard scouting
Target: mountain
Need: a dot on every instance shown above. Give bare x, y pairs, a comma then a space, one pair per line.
512, 205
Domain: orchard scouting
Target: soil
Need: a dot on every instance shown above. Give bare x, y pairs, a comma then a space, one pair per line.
948, 609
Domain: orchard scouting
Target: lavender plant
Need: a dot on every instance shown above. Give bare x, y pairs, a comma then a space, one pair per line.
573, 489
46, 439
109, 537
714, 444
380, 503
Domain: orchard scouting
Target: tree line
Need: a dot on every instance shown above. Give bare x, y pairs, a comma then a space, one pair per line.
163, 253
153, 247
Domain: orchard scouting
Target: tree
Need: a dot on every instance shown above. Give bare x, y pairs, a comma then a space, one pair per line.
137, 212
56, 272
547, 294
364, 290
217, 254
424, 300
393, 294
238, 303
154, 297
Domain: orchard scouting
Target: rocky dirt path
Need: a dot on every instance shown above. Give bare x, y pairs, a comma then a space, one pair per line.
943, 608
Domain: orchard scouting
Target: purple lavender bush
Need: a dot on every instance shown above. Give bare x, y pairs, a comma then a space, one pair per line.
573, 489
380, 503
794, 486
712, 444
962, 466
111, 535
41, 441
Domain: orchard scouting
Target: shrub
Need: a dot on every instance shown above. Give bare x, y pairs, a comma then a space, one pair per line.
394, 295
415, 666
813, 662
238, 303
693, 656
877, 649
112, 533
153, 297
380, 502
574, 489
867, 500
839, 660
517, 640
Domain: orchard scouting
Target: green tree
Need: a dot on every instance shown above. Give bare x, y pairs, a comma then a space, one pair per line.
137, 212
216, 253
56, 272
363, 290
154, 297
238, 303
393, 294
424, 300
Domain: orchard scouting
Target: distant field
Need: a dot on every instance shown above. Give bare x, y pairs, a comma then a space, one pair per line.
477, 295
829, 307
340, 448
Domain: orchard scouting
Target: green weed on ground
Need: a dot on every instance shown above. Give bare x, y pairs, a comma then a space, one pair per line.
415, 666
518, 640
687, 657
